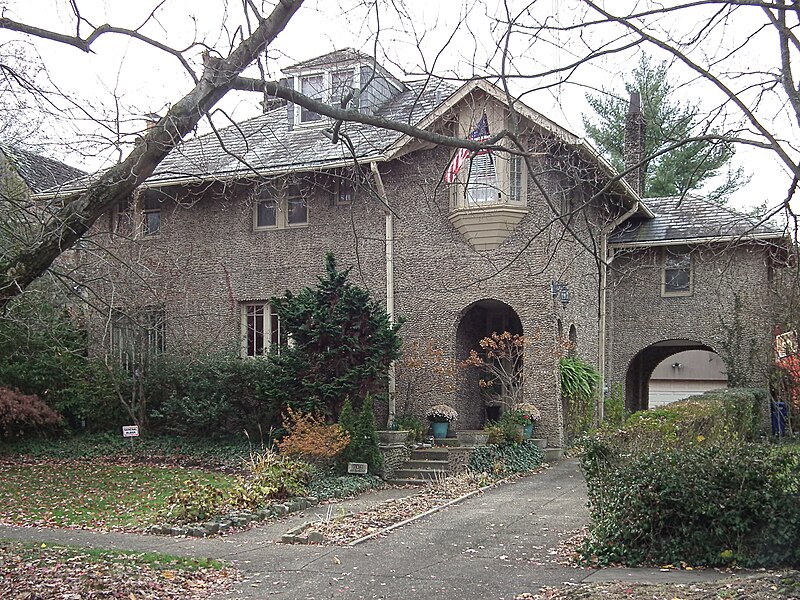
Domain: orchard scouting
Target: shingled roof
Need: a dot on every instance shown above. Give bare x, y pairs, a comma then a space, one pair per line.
689, 219
39, 172
266, 144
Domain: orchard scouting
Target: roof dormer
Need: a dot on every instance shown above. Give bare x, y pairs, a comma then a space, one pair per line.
331, 77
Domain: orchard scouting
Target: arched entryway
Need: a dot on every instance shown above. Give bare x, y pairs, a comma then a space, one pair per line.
675, 368
479, 320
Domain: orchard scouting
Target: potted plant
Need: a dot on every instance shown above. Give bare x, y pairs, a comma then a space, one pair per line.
529, 416
440, 416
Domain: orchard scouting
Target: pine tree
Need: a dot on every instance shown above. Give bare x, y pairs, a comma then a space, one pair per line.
342, 344
668, 120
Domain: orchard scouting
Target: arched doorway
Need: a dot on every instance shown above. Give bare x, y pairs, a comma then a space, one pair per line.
479, 320
675, 368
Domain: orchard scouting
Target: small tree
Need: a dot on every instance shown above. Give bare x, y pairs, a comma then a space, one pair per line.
363, 446
500, 362
341, 344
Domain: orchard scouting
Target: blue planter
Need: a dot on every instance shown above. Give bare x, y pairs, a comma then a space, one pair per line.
439, 429
527, 431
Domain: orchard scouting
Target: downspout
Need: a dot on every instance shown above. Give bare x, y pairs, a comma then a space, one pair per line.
389, 285
607, 259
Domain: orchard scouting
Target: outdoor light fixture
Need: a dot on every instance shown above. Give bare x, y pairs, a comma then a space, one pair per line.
560, 291
677, 365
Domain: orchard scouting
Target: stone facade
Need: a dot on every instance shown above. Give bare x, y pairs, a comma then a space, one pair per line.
207, 259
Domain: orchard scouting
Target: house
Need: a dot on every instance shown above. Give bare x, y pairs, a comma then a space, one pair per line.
23, 175
558, 249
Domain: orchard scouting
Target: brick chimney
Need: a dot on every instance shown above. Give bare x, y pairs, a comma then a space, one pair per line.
634, 144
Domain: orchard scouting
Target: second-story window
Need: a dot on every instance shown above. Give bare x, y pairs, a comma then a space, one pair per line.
312, 86
341, 84
151, 212
482, 182
297, 206
677, 272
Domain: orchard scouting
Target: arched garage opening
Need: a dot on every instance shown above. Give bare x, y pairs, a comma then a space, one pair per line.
479, 320
669, 370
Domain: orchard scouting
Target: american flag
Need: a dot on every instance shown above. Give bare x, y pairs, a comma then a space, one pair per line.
479, 134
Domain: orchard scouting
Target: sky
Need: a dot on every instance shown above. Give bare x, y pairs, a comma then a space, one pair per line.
123, 79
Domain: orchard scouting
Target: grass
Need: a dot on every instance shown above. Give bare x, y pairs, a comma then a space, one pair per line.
56, 571
91, 495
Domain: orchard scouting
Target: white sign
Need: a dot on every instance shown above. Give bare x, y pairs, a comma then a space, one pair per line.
130, 431
357, 468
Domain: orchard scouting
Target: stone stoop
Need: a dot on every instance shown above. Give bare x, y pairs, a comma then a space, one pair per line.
425, 464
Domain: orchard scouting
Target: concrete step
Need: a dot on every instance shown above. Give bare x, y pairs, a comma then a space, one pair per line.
540, 442
553, 454
426, 464
410, 481
429, 454
446, 441
424, 474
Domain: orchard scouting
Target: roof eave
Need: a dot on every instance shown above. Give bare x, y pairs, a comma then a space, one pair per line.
699, 240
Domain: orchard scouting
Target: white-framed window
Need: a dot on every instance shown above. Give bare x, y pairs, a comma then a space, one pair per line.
676, 272
261, 329
516, 179
278, 208
328, 86
312, 86
342, 186
136, 335
482, 183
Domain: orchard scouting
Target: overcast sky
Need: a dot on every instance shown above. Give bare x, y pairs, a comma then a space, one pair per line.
125, 79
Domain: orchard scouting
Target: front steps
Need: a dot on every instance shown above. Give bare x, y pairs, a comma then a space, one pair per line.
430, 464
425, 464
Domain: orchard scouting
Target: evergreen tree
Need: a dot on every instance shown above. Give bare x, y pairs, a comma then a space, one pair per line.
341, 344
363, 446
668, 120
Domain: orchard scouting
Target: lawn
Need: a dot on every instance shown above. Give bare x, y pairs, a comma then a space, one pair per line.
91, 495
46, 571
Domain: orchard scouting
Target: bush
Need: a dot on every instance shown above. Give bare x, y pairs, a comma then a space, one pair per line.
212, 396
363, 446
269, 477
22, 415
506, 430
503, 460
311, 439
702, 504
579, 381
413, 424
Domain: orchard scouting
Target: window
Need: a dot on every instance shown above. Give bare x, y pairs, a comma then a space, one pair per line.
677, 272
137, 335
312, 86
482, 183
276, 208
297, 213
266, 213
515, 166
342, 186
341, 84
122, 218
261, 329
151, 212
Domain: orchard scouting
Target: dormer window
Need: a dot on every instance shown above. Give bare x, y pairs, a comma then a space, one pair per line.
329, 87
312, 86
482, 182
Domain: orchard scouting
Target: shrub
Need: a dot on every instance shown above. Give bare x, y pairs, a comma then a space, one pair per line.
311, 439
22, 415
506, 430
343, 486
413, 424
218, 395
713, 505
719, 416
579, 381
269, 477
363, 446
502, 460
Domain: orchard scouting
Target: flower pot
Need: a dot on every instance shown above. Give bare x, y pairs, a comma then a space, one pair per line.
527, 431
440, 429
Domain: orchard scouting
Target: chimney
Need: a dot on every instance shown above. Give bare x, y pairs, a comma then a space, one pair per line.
633, 150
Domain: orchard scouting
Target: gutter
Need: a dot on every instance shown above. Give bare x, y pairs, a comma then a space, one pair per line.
696, 241
389, 217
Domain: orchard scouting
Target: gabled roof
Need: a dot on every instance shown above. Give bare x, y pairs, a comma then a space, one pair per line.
39, 172
266, 145
690, 219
